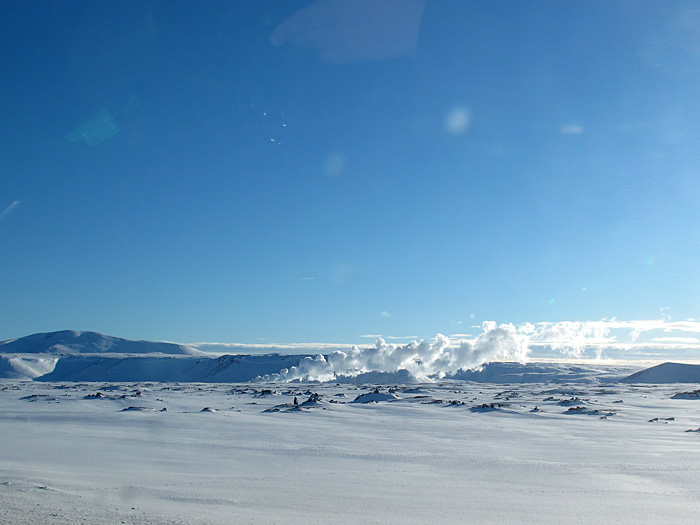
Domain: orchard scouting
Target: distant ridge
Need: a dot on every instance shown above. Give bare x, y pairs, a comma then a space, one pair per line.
666, 373
534, 372
71, 355
224, 369
71, 342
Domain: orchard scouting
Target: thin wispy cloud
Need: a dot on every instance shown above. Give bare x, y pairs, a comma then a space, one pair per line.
12, 207
269, 348
384, 313
392, 337
571, 129
681, 340
583, 338
602, 340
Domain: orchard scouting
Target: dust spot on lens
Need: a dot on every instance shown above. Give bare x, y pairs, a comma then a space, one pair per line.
335, 164
457, 120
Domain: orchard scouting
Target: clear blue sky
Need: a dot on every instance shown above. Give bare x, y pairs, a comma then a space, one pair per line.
206, 171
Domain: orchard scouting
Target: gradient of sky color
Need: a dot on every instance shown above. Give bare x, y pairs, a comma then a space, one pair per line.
171, 172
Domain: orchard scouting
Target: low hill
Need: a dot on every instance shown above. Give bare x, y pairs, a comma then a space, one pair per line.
666, 373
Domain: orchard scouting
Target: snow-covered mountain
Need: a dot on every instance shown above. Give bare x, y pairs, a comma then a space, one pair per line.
37, 355
89, 356
70, 342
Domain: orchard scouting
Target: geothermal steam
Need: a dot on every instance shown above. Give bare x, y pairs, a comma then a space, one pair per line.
424, 360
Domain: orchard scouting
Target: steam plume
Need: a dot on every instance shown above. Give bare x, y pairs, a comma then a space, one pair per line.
424, 359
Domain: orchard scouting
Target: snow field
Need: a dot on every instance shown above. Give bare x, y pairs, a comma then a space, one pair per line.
71, 455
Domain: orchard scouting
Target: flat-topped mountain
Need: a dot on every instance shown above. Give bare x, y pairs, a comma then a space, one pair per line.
70, 342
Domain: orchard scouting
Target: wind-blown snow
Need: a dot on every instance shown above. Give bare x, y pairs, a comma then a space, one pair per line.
26, 367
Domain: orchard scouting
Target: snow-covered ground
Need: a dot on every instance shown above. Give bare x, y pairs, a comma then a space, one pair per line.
445, 452
97, 429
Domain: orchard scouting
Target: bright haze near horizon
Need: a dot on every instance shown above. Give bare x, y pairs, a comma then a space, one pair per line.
331, 172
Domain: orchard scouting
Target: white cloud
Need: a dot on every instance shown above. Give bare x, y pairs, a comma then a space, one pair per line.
385, 314
689, 340
569, 337
580, 338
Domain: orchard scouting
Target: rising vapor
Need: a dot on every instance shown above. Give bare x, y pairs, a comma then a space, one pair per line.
424, 360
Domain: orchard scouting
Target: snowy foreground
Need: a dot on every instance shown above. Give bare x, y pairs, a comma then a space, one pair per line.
445, 452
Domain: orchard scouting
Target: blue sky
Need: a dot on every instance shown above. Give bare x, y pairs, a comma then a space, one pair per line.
285, 172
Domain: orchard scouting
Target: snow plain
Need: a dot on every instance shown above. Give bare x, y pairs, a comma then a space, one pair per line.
445, 452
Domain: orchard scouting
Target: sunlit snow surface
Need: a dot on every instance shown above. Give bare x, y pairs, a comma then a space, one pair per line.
445, 452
